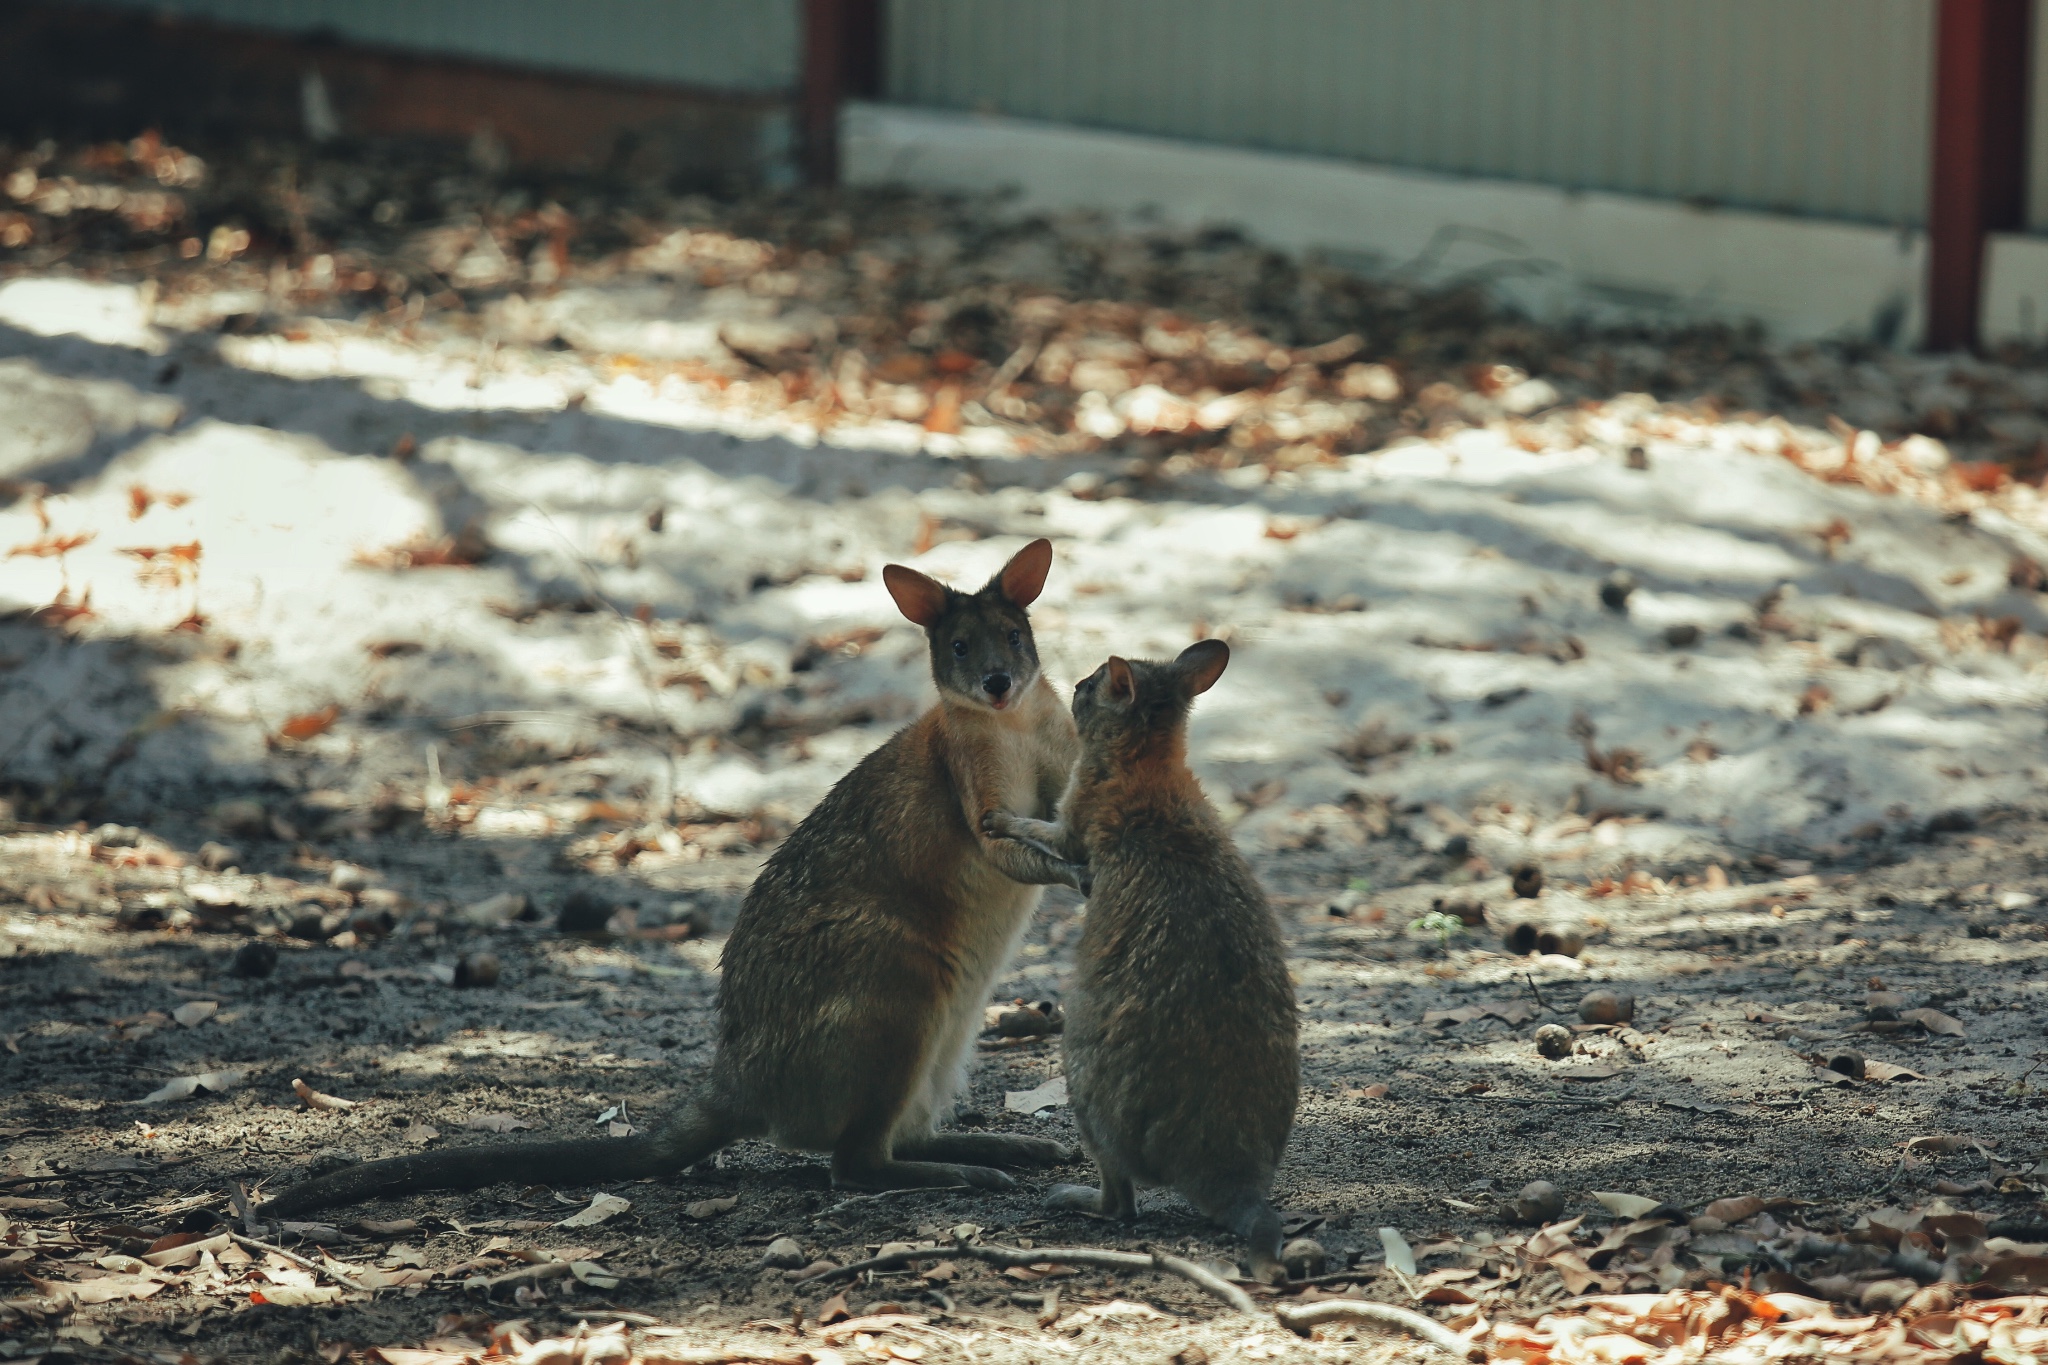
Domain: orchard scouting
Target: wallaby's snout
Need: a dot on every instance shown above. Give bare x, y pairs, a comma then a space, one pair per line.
997, 685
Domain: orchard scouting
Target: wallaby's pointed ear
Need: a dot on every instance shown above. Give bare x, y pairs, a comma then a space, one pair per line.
1201, 664
921, 599
1023, 578
1123, 684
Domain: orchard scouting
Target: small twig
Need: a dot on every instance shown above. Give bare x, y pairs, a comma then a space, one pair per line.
1306, 1317
1012, 1257
1019, 361
631, 1319
859, 1199
341, 1278
1541, 1004
1207, 1280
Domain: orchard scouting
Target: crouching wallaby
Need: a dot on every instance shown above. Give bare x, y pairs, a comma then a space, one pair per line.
856, 974
1180, 1044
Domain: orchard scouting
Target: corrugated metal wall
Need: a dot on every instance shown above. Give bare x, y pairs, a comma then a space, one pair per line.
1807, 106
745, 45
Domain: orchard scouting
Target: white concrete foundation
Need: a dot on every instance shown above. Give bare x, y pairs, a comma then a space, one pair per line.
2015, 302
1555, 253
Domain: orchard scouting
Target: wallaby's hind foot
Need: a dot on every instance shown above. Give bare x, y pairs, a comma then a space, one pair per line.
1117, 1198
985, 1149
1262, 1231
1074, 1199
916, 1175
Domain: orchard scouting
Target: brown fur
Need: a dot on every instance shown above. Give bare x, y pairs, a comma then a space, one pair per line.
855, 976
1181, 1053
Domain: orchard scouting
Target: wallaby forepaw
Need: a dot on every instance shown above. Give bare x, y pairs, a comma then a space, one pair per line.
987, 1178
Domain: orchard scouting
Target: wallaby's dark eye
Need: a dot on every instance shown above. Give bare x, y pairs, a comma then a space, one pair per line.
1016, 639
959, 649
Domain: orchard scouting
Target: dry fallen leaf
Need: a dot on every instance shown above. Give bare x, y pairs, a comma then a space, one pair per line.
1400, 1256
711, 1208
1736, 1208
1625, 1205
420, 1134
315, 1100
22, 1203
495, 1123
106, 1289
1934, 1021
605, 1207
1048, 1096
310, 724
195, 1012
206, 1082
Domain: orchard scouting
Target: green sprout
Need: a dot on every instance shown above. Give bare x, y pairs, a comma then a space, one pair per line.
1445, 927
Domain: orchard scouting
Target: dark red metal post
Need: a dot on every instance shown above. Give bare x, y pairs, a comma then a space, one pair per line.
1977, 183
842, 59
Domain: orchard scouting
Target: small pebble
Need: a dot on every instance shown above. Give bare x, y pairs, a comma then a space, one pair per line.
785, 1253
1682, 636
1538, 1202
1554, 1041
1636, 458
1303, 1257
585, 912
477, 969
216, 856
348, 877
1607, 1007
1615, 590
254, 958
242, 817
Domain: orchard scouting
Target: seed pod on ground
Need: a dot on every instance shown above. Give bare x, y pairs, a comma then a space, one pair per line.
1520, 938
1562, 940
785, 1253
1303, 1257
477, 969
1554, 1041
1528, 881
1538, 1202
1847, 1063
1469, 913
1607, 1007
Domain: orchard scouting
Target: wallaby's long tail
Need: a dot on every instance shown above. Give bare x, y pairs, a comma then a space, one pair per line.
688, 1138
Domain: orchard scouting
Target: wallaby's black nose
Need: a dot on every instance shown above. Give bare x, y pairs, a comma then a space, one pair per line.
996, 684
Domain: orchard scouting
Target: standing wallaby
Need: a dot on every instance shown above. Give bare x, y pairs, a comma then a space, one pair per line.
1180, 1047
857, 971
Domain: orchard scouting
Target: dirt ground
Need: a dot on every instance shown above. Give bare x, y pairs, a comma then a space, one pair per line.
1708, 1095
404, 676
